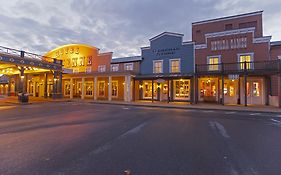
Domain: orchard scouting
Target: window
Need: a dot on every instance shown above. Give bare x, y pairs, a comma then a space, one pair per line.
128, 66
182, 88
256, 89
228, 27
81, 61
242, 58
66, 88
158, 66
114, 67
89, 60
114, 89
248, 24
89, 88
74, 62
88, 69
101, 68
101, 88
279, 57
213, 62
174, 65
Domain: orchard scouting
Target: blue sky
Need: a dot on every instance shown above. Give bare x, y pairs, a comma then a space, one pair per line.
118, 26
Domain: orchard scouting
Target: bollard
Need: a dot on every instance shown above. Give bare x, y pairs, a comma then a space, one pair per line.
127, 172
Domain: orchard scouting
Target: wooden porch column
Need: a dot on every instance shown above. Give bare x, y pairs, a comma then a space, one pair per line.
168, 91
152, 98
95, 87
71, 88
222, 90
45, 85
109, 88
83, 89
134, 89
245, 83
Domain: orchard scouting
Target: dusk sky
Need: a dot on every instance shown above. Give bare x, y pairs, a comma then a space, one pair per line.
118, 26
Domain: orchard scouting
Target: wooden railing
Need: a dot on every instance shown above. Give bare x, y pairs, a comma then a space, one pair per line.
256, 67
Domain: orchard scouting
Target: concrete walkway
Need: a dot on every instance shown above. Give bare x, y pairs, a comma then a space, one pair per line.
177, 105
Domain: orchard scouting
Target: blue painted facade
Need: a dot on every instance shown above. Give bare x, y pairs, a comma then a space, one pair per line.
164, 47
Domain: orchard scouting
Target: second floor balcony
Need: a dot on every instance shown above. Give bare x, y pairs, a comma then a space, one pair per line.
252, 68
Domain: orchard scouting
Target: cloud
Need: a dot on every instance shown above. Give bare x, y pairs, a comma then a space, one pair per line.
119, 26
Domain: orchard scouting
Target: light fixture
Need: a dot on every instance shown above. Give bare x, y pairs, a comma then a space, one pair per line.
141, 86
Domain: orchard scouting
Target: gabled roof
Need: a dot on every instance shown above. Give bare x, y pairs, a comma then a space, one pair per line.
228, 17
126, 59
275, 43
166, 33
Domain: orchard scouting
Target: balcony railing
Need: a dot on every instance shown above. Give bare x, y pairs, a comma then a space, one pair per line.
257, 67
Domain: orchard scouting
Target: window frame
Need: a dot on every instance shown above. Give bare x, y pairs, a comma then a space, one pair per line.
170, 65
116, 96
154, 61
128, 64
250, 63
100, 68
99, 82
211, 65
113, 65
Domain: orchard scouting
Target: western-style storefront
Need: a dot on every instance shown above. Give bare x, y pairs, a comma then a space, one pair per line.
98, 86
165, 88
235, 83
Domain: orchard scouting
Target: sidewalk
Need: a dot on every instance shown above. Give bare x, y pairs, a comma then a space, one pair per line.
176, 105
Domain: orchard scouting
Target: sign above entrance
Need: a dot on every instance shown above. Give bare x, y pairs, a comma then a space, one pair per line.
233, 76
160, 80
167, 51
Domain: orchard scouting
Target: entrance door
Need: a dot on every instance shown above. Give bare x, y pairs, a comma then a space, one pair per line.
79, 89
255, 91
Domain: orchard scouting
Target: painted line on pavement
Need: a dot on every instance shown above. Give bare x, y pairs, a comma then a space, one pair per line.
255, 114
232, 112
219, 127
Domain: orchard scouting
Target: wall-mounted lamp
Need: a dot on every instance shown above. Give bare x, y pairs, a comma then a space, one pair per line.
141, 86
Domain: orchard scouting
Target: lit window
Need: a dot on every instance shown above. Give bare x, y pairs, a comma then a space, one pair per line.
89, 88
181, 89
114, 67
74, 62
88, 69
158, 66
89, 60
175, 65
213, 63
256, 89
81, 61
101, 68
101, 88
114, 89
128, 66
247, 59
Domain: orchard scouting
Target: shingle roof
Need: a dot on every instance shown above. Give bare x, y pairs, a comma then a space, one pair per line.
126, 59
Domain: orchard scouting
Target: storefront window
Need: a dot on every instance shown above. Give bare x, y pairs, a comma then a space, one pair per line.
114, 88
256, 89
147, 89
231, 89
182, 89
247, 59
208, 88
101, 88
67, 88
89, 88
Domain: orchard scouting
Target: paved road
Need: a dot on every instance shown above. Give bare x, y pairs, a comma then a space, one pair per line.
84, 138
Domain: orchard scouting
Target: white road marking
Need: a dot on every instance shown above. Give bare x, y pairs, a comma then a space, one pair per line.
207, 111
255, 114
133, 131
278, 115
126, 108
232, 112
277, 121
217, 126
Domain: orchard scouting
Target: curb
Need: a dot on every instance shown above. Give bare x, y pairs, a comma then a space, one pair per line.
186, 108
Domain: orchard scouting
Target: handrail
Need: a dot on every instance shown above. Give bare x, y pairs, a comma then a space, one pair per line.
24, 54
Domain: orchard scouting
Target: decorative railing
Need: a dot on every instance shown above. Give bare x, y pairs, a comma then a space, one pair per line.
256, 67
23, 54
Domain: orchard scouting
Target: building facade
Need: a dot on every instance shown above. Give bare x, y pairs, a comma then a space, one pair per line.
166, 69
228, 61
233, 61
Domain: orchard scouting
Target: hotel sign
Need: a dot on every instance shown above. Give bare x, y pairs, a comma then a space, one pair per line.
166, 51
